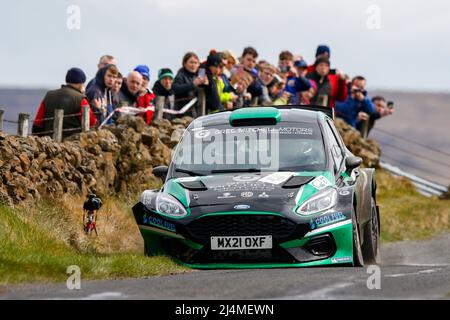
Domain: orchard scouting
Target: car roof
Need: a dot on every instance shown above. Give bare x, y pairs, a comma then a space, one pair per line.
286, 115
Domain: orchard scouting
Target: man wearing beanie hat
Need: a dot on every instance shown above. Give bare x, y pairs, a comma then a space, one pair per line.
163, 90
71, 98
330, 87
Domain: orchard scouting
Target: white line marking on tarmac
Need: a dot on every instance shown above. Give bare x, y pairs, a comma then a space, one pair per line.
411, 274
95, 296
321, 293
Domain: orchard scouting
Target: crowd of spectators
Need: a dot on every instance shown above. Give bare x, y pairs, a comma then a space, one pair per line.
228, 83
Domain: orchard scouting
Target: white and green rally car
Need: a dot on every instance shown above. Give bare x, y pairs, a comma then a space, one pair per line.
262, 187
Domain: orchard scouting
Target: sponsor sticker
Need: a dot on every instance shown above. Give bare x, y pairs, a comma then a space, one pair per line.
202, 134
241, 207
226, 195
158, 222
246, 178
326, 220
187, 179
263, 195
342, 259
344, 192
320, 183
276, 178
247, 194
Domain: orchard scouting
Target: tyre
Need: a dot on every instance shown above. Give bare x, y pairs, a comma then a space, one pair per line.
358, 260
371, 246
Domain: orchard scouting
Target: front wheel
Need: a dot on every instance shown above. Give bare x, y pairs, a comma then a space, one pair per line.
371, 246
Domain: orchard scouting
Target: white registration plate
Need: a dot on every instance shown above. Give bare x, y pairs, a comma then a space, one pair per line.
236, 243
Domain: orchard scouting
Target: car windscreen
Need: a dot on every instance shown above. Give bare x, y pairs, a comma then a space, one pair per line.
287, 146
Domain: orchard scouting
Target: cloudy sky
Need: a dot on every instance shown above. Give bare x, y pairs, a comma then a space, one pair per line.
395, 44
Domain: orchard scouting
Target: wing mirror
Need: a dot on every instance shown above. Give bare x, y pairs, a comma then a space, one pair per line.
352, 163
160, 172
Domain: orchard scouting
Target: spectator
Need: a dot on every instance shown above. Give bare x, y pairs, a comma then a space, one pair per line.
295, 85
248, 64
115, 90
357, 102
266, 75
100, 95
321, 51
277, 92
382, 110
286, 64
103, 62
131, 89
212, 66
186, 83
145, 95
163, 88
70, 97
330, 87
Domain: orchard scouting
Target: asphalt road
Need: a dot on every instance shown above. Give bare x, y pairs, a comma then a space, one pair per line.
409, 270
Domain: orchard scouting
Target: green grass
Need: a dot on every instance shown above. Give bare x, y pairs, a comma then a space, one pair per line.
406, 214
31, 252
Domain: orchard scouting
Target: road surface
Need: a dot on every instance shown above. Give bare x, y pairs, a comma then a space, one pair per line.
409, 270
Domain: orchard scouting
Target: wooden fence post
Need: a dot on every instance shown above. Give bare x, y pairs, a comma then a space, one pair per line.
254, 102
85, 118
22, 127
322, 100
2, 113
160, 102
58, 125
202, 101
365, 128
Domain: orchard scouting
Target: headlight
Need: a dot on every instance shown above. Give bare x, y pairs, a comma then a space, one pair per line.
321, 201
167, 204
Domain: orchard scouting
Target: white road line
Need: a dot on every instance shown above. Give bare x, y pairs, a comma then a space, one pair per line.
319, 294
95, 296
412, 273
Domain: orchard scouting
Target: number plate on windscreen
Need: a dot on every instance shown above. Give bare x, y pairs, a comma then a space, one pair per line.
236, 243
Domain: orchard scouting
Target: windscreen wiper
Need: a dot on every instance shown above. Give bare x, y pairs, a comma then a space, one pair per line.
189, 172
235, 170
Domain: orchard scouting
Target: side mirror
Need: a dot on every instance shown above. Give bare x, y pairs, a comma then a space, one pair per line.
352, 163
161, 172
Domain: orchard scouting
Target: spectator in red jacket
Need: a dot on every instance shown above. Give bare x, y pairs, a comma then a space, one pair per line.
330, 87
71, 98
146, 96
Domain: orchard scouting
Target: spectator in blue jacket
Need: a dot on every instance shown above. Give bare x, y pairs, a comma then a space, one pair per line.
357, 102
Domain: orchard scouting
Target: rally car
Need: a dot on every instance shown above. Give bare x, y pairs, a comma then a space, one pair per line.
262, 187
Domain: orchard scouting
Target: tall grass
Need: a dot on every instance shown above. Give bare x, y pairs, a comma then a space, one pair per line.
406, 214
39, 243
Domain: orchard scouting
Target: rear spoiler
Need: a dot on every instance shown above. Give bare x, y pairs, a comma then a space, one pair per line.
327, 110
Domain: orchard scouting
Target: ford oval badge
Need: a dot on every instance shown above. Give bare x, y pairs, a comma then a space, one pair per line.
241, 207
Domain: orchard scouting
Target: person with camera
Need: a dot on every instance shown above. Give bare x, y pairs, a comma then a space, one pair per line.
382, 108
357, 102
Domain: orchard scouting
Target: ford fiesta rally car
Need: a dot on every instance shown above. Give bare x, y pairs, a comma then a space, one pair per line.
262, 187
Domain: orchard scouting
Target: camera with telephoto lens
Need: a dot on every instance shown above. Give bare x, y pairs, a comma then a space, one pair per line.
92, 203
364, 92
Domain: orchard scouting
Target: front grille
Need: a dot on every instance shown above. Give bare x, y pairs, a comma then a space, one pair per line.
241, 225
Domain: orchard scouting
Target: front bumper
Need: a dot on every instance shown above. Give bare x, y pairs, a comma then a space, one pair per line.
294, 244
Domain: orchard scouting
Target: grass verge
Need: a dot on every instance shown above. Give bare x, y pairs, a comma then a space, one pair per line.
406, 214
38, 244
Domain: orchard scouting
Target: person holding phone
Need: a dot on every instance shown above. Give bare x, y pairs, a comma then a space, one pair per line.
186, 83
383, 109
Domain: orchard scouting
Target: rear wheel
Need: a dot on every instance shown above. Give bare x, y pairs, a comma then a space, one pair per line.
358, 260
371, 246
